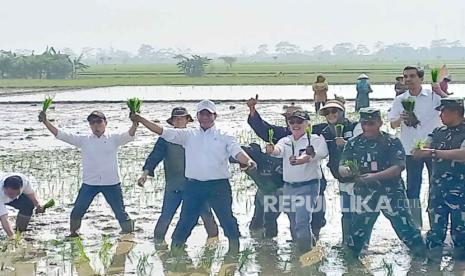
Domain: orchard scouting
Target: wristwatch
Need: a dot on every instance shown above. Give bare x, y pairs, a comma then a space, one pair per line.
433, 153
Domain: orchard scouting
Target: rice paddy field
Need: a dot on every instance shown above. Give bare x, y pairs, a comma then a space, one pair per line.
26, 146
240, 74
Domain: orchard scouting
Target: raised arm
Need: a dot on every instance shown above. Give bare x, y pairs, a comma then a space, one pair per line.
43, 119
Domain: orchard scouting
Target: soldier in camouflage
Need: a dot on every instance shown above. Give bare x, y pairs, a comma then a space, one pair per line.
375, 160
446, 146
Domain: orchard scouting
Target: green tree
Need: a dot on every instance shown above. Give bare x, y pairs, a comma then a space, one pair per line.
194, 66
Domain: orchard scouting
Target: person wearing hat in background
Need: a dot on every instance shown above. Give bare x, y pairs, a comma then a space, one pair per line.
173, 159
446, 147
261, 128
444, 85
302, 155
337, 131
320, 87
17, 192
380, 159
363, 92
425, 111
207, 152
99, 153
400, 86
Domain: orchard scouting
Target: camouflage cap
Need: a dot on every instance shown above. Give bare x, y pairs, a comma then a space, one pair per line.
453, 103
369, 114
300, 114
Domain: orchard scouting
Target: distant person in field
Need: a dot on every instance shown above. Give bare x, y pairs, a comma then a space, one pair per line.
400, 86
320, 87
444, 84
363, 91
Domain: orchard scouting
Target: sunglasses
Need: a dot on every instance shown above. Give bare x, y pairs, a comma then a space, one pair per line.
294, 121
332, 110
96, 121
368, 123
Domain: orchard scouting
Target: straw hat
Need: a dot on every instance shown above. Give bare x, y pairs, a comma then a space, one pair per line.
331, 104
363, 76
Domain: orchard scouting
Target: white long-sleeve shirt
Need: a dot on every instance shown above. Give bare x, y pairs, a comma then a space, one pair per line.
425, 110
304, 172
207, 151
25, 189
99, 155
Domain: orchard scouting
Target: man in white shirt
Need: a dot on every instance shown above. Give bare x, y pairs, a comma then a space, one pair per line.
99, 153
207, 152
425, 111
301, 155
16, 191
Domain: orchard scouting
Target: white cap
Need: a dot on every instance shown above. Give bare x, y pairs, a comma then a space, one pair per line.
206, 104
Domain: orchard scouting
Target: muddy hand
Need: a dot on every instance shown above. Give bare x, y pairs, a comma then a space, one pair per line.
141, 181
42, 116
40, 210
251, 165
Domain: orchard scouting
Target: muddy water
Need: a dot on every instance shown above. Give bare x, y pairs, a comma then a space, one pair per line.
27, 147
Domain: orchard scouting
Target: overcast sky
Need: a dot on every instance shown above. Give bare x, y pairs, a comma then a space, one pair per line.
226, 26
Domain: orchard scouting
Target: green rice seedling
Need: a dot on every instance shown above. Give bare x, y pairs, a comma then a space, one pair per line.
104, 252
47, 103
49, 204
339, 129
419, 144
388, 267
244, 258
435, 74
77, 242
270, 136
134, 105
353, 167
308, 131
409, 107
143, 264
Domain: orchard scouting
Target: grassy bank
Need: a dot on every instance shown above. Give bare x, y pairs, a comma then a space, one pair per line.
239, 74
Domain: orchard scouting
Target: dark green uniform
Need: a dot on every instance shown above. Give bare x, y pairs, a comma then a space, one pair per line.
447, 188
376, 155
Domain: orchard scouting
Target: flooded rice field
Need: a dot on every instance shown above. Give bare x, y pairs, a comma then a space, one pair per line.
26, 146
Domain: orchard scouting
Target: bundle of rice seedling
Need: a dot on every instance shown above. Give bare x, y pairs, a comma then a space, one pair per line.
339, 129
134, 105
435, 74
409, 107
49, 204
47, 103
270, 136
419, 144
353, 167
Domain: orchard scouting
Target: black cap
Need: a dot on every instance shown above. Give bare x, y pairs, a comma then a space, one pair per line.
96, 114
179, 112
300, 114
369, 114
452, 103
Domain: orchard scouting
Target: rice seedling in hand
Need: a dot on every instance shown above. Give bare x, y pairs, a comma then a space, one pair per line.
435, 74
409, 107
134, 105
353, 167
47, 103
309, 150
270, 136
419, 144
49, 204
339, 129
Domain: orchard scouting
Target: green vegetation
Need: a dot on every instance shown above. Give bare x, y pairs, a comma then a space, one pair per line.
222, 74
134, 105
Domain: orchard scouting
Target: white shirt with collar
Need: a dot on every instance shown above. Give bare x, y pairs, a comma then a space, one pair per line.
425, 110
25, 189
99, 155
207, 151
304, 172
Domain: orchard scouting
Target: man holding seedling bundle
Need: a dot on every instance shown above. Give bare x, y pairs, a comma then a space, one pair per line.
207, 152
173, 159
415, 113
302, 153
272, 134
16, 191
446, 147
375, 160
99, 152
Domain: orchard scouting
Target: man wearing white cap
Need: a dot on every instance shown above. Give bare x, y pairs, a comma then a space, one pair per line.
207, 152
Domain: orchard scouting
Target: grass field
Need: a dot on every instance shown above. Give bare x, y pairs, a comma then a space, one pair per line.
239, 74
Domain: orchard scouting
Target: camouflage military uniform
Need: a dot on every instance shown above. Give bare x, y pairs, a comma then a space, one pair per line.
376, 155
447, 190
